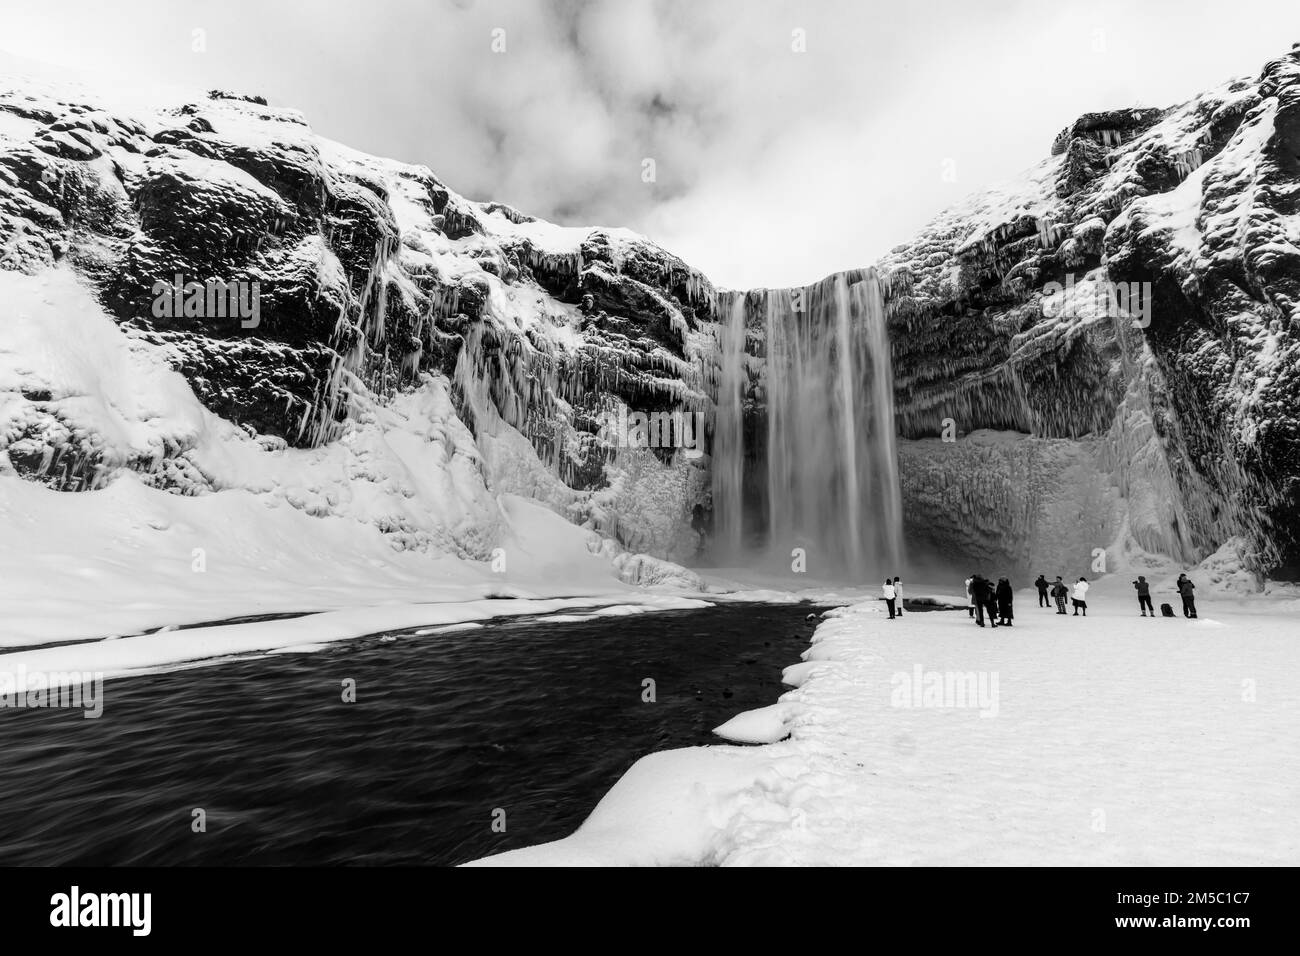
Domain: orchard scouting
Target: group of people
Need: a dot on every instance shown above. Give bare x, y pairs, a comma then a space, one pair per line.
1186, 590
893, 591
997, 600
1059, 591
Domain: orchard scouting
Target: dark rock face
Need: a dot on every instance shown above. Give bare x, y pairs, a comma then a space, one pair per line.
352, 303
1174, 422
1110, 128
1225, 326
1194, 392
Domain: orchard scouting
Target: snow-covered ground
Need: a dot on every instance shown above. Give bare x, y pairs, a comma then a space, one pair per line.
1110, 739
101, 580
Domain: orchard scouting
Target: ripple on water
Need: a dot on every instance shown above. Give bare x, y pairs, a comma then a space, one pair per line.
535, 718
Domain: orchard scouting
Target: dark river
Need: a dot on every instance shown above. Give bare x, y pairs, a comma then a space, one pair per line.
533, 718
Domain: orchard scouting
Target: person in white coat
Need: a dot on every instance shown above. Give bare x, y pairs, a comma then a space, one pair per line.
970, 597
890, 596
898, 593
1080, 597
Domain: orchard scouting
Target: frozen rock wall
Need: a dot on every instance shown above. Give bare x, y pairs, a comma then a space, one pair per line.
1184, 396
1011, 503
1166, 419
372, 279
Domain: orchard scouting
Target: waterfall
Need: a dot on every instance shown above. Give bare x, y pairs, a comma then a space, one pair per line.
883, 430
831, 461
728, 434
847, 354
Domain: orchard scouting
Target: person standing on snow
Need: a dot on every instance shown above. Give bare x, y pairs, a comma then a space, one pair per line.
898, 592
1144, 596
1041, 584
1005, 597
970, 596
982, 593
890, 596
977, 598
991, 600
1080, 596
1186, 589
1059, 593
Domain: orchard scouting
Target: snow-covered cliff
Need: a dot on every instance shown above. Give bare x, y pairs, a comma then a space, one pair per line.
416, 357
413, 355
1129, 305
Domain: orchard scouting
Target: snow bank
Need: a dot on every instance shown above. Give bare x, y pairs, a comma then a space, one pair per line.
170, 648
128, 558
764, 725
665, 811
1107, 740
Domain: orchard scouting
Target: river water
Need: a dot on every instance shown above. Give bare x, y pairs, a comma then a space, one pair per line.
528, 721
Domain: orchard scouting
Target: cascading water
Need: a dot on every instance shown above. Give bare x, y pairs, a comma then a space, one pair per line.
883, 429
831, 462
728, 435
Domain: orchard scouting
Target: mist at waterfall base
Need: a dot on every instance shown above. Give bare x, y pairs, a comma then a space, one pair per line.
804, 460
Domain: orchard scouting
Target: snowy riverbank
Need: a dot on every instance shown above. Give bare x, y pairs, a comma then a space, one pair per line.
1111, 739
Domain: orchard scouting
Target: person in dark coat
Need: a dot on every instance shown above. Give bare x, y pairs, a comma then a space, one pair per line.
1041, 584
991, 602
1005, 596
1186, 589
1059, 594
982, 593
1144, 596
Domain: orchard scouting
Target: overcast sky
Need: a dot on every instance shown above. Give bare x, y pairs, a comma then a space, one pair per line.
789, 139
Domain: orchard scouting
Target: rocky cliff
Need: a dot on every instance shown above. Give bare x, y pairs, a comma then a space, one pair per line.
1101, 354
371, 279
1128, 310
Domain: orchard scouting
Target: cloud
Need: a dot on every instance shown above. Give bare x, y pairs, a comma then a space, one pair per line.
779, 156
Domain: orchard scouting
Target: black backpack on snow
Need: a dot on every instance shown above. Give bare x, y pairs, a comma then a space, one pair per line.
1166, 610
